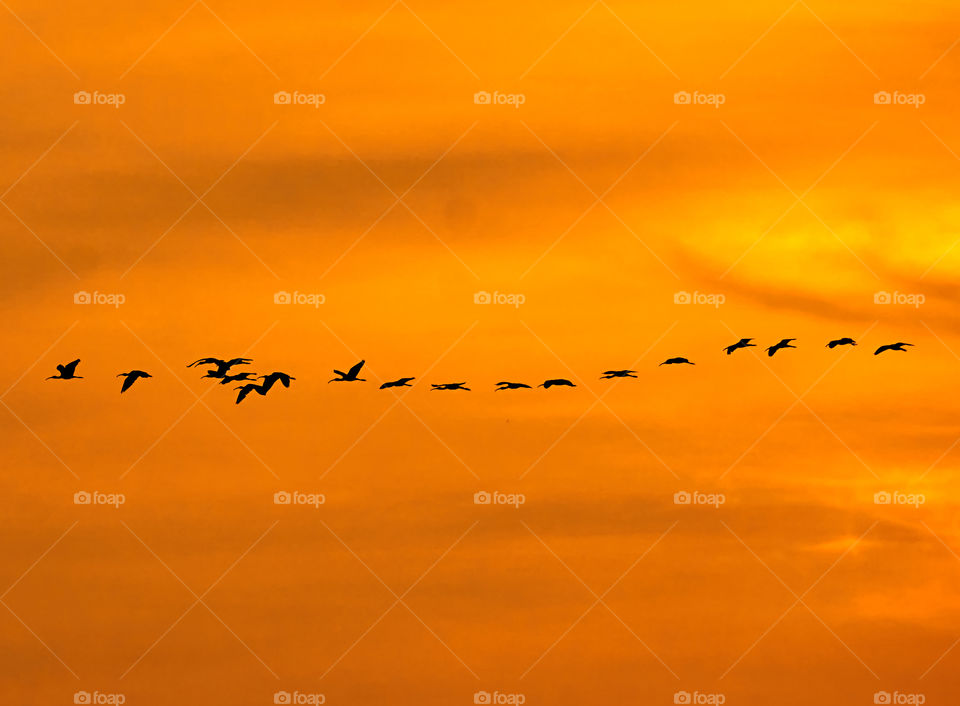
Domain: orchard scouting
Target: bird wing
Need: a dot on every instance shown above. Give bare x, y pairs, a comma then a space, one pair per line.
70, 367
127, 382
206, 361
355, 370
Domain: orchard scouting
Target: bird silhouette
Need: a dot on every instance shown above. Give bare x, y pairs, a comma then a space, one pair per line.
247, 389
841, 342
742, 343
222, 365
231, 378
784, 343
350, 375
607, 374
67, 372
130, 378
676, 361
273, 378
899, 346
399, 382
547, 384
451, 386
512, 386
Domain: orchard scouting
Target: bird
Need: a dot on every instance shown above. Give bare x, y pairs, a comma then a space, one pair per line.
350, 375
676, 361
67, 372
399, 382
232, 378
222, 365
899, 346
512, 386
607, 374
742, 343
247, 389
784, 343
451, 386
273, 378
841, 342
547, 384
130, 378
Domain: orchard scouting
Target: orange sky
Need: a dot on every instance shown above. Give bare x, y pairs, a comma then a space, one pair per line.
599, 199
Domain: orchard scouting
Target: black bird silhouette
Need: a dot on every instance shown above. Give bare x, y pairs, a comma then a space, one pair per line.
247, 389
547, 384
607, 374
350, 375
841, 342
131, 378
899, 346
784, 343
676, 361
273, 378
231, 378
742, 343
222, 365
400, 382
511, 386
450, 386
67, 372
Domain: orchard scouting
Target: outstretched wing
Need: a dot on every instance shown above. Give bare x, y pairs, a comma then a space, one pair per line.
355, 370
128, 381
69, 368
206, 361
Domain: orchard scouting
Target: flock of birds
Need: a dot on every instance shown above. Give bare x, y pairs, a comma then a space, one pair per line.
221, 371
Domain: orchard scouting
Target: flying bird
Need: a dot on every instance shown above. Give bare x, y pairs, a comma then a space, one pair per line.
350, 375
67, 372
784, 343
841, 342
547, 384
451, 386
400, 382
247, 389
130, 378
273, 378
231, 378
899, 346
512, 386
676, 361
607, 374
742, 343
222, 365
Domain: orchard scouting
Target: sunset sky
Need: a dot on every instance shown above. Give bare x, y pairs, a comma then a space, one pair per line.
786, 199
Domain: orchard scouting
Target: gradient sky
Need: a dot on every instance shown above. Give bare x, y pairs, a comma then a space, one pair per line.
598, 200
